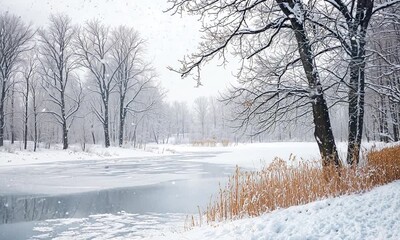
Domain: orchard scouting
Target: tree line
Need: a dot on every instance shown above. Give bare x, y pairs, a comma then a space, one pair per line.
326, 70
63, 73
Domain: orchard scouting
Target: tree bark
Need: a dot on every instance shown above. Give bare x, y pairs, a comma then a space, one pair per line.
356, 109
106, 126
35, 137
12, 116
323, 130
65, 135
26, 115
357, 35
2, 123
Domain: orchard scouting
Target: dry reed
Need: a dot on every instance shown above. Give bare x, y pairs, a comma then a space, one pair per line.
281, 185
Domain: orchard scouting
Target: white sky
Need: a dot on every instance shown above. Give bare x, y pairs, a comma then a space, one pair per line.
168, 37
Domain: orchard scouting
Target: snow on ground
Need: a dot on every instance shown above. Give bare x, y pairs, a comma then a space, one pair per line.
14, 155
253, 155
256, 155
372, 215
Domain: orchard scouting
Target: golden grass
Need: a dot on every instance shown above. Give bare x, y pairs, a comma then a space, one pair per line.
281, 185
210, 143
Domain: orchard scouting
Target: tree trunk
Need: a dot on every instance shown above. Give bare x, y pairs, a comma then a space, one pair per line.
323, 132
356, 109
106, 127
35, 137
2, 115
65, 135
395, 124
63, 116
12, 116
356, 99
93, 136
357, 29
2, 123
122, 115
26, 115
323, 129
121, 132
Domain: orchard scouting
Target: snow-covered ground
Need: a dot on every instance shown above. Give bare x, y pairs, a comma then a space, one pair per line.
256, 155
371, 215
245, 155
11, 155
158, 186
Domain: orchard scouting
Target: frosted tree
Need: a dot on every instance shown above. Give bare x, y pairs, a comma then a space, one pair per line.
14, 40
58, 62
201, 109
37, 97
95, 46
383, 73
249, 29
348, 22
28, 72
133, 75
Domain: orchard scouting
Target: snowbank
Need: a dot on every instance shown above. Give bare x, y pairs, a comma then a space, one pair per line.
372, 215
11, 155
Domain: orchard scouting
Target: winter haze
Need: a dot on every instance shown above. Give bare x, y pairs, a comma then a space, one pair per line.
199, 119
168, 37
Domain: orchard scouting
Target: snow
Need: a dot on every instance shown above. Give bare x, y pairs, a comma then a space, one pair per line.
372, 215
13, 155
251, 155
256, 155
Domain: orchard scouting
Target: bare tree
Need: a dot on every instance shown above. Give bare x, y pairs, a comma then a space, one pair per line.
12, 117
134, 76
36, 95
383, 73
201, 107
95, 46
58, 61
350, 26
14, 39
28, 73
249, 29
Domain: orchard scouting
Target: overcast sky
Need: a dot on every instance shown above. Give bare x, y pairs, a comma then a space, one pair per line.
168, 37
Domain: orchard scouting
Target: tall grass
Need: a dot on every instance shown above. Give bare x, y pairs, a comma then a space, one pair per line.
281, 185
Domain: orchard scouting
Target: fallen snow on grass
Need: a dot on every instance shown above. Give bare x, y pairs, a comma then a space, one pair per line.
372, 215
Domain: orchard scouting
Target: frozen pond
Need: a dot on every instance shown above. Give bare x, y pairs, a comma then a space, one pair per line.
129, 197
